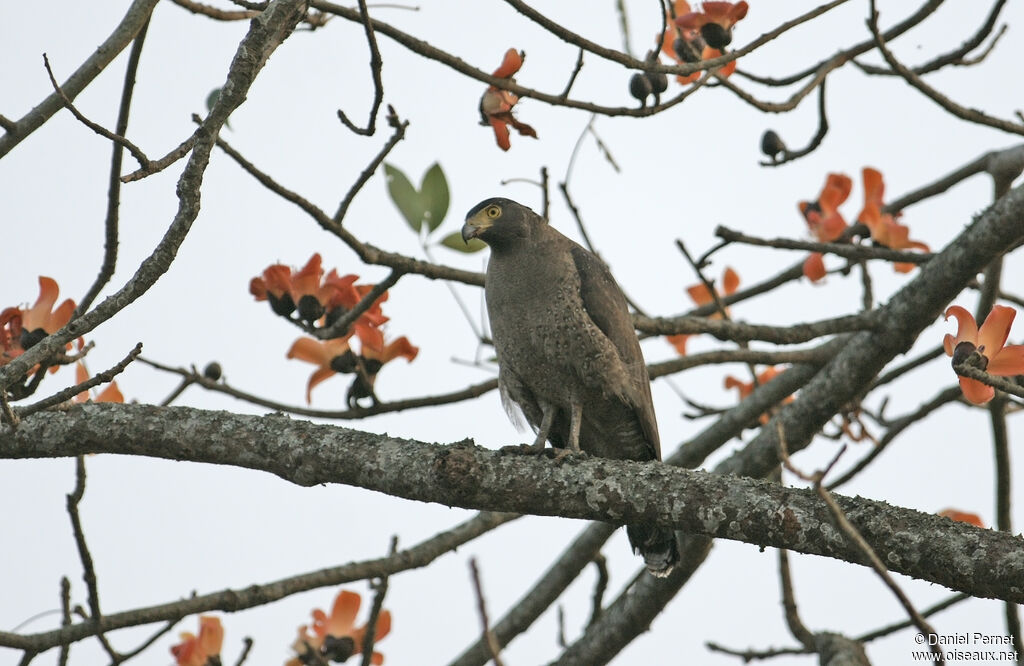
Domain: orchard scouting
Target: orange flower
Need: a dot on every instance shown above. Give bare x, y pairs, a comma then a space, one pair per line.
336, 638
685, 45
275, 286
41, 319
714, 21
202, 650
885, 230
10, 335
400, 347
824, 220
963, 517
21, 329
331, 357
372, 362
678, 341
746, 388
496, 104
345, 297
814, 266
318, 298
287, 289
700, 295
988, 342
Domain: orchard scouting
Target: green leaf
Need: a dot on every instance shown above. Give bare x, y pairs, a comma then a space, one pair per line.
405, 196
211, 99
454, 241
434, 194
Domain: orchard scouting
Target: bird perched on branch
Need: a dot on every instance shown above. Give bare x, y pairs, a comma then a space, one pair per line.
567, 353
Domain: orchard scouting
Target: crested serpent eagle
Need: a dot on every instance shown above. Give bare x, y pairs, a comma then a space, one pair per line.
568, 356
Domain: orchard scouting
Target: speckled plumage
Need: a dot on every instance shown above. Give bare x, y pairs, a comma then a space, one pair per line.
566, 347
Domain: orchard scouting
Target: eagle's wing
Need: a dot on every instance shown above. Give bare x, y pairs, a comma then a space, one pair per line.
606, 306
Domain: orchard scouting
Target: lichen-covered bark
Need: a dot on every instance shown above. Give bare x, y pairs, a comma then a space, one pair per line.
983, 563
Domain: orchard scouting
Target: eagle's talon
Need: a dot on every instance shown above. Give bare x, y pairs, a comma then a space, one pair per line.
564, 454
523, 449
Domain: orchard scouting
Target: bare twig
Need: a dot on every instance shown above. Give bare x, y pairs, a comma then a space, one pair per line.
928, 612
848, 250
896, 427
906, 367
376, 65
156, 166
366, 252
468, 393
962, 112
819, 136
399, 127
66, 394
247, 644
849, 53
340, 327
114, 182
572, 77
102, 131
380, 588
793, 621
65, 617
88, 568
481, 606
600, 586
958, 55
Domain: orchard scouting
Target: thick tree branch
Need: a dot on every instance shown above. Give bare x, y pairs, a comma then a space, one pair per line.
980, 562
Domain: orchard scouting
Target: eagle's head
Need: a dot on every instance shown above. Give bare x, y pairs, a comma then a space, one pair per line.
501, 222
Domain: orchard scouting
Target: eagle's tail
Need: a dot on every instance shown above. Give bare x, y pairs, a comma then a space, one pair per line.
656, 545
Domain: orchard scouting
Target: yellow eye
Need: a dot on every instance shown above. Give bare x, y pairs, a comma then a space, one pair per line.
494, 212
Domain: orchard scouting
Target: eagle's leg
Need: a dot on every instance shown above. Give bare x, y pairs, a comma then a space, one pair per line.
547, 419
549, 411
573, 445
575, 419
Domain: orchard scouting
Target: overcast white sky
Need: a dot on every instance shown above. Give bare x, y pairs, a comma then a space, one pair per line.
159, 530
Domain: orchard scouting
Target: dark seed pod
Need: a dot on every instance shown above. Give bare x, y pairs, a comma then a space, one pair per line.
282, 306
640, 87
344, 363
962, 352
716, 36
310, 309
337, 648
361, 388
772, 144
688, 51
658, 81
212, 371
31, 338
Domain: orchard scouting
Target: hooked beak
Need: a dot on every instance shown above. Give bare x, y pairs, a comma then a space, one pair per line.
475, 226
